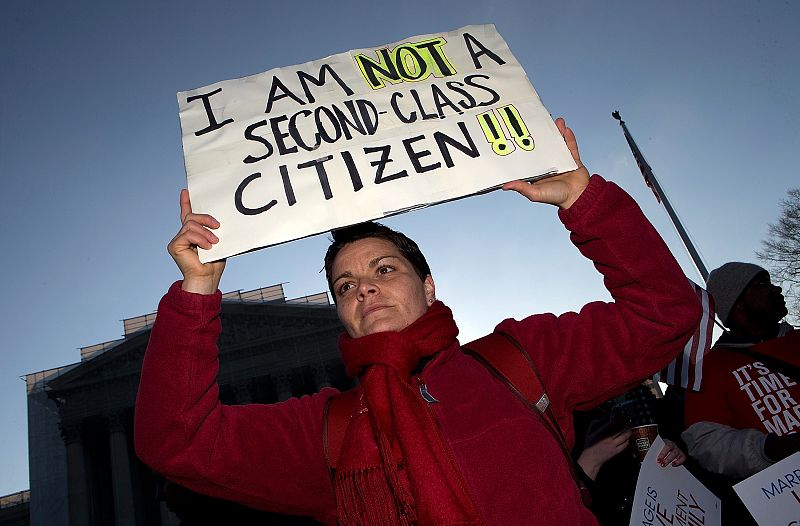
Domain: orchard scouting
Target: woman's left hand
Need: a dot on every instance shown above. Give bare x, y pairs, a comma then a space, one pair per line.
671, 453
563, 189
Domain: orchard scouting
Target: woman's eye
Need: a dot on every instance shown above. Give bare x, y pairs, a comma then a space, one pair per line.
344, 287
385, 269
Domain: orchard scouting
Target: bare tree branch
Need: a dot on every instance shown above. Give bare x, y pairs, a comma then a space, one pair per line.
781, 252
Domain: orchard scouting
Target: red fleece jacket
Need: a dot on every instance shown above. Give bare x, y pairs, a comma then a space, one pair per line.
271, 456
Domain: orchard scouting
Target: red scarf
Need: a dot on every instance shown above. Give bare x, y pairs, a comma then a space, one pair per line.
412, 477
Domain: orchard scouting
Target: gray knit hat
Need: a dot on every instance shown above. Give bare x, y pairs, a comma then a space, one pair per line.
727, 283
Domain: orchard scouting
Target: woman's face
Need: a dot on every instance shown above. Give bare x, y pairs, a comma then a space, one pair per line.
376, 289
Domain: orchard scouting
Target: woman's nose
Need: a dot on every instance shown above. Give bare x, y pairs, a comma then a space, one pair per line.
367, 287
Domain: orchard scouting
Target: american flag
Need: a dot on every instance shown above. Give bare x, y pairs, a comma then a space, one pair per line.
647, 172
687, 369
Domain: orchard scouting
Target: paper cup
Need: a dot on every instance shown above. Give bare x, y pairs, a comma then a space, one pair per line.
642, 438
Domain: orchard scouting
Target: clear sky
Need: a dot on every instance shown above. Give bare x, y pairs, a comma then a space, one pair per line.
91, 160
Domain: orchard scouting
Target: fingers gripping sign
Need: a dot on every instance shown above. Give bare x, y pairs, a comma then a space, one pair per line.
563, 189
671, 454
195, 231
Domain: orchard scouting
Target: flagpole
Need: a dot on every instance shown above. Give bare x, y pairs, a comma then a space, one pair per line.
652, 182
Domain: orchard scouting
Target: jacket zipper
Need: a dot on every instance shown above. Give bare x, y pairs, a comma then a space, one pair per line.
423, 390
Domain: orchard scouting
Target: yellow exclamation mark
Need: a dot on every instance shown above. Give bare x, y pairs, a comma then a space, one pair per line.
494, 134
517, 127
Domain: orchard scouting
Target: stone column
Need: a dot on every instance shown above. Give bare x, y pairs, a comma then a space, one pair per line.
321, 377
77, 493
283, 386
243, 393
121, 472
167, 517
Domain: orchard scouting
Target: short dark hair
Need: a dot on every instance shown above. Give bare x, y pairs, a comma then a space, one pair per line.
407, 247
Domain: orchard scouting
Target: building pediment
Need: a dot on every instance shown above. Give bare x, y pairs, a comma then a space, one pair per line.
257, 338
124, 359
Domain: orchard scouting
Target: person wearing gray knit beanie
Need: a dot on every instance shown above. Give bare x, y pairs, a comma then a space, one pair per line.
727, 283
733, 427
744, 295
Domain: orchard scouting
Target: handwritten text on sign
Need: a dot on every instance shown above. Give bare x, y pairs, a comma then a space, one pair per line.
300, 150
671, 496
773, 495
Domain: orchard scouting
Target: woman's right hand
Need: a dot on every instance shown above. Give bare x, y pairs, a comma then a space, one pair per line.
201, 278
593, 457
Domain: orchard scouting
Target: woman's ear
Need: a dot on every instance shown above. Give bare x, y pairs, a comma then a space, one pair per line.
430, 289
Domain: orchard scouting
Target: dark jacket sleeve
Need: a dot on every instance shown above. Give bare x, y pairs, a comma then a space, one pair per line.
588, 357
265, 456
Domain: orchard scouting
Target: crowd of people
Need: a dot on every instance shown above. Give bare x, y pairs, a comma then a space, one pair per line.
435, 435
744, 418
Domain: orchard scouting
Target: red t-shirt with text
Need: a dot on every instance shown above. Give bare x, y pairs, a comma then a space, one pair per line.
743, 392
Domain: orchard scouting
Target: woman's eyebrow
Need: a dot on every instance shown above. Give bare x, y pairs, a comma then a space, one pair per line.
342, 275
372, 264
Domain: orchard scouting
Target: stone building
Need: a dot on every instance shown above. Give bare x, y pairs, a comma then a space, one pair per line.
83, 470
14, 509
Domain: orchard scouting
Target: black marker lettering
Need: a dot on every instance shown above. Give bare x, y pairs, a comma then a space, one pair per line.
248, 134
470, 81
369, 115
321, 173
381, 164
456, 86
385, 68
363, 117
287, 185
346, 123
295, 133
433, 47
402, 66
443, 140
320, 81
212, 121
337, 131
280, 135
415, 156
441, 101
355, 178
238, 198
469, 40
274, 97
425, 116
408, 120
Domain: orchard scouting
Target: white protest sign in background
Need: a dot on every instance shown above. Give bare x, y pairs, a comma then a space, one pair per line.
300, 150
773, 495
671, 496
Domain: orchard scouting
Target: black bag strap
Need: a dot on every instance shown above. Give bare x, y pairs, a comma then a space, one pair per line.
502, 354
505, 357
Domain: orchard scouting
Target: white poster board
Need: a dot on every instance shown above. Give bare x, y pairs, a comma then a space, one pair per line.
773, 495
300, 150
671, 496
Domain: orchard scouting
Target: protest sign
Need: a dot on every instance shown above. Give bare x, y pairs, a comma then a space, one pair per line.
300, 150
772, 496
671, 496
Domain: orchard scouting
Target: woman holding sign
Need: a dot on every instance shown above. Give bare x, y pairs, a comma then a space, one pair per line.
431, 435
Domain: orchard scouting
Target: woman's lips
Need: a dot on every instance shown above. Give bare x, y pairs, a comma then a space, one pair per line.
372, 308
